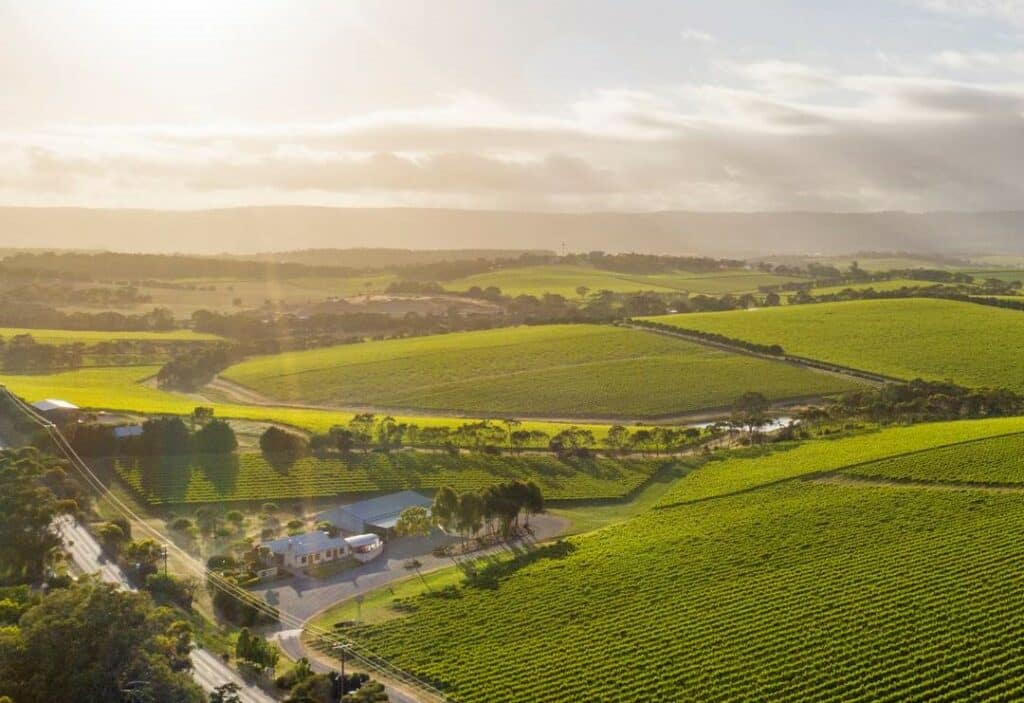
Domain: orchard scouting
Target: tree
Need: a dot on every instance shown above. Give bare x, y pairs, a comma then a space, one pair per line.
446, 504
533, 500
275, 441
215, 437
582, 291
164, 435
749, 410
413, 521
226, 693
617, 439
470, 514
28, 508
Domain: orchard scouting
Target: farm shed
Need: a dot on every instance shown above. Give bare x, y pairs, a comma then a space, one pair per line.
58, 410
377, 515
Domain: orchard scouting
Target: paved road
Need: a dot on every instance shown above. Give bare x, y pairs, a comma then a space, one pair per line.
208, 670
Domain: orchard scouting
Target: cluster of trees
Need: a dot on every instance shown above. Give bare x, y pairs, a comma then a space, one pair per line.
194, 368
160, 436
35, 490
773, 349
40, 316
22, 353
920, 401
306, 686
63, 294
92, 642
254, 653
495, 509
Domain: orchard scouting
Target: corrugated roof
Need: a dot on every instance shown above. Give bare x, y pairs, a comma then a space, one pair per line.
362, 540
306, 543
382, 511
54, 404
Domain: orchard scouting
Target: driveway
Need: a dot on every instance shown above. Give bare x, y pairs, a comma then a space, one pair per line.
209, 671
304, 596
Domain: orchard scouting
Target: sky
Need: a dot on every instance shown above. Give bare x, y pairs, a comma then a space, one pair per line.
551, 105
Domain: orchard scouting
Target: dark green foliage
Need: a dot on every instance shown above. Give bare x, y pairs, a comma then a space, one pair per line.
275, 441
215, 437
27, 507
95, 641
164, 435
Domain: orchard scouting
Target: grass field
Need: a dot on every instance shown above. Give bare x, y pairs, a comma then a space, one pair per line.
880, 286
973, 345
792, 591
564, 280
549, 371
46, 336
249, 477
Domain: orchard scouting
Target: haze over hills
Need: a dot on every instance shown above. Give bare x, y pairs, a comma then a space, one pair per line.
261, 229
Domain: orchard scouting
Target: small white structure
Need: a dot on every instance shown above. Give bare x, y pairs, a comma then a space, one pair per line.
51, 404
377, 515
311, 548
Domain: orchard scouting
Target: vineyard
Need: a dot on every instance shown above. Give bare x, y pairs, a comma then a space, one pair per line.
557, 370
794, 592
249, 477
972, 345
45, 336
996, 460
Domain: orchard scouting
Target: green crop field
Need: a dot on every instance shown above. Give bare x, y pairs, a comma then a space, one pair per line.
784, 591
552, 371
973, 345
249, 477
564, 280
123, 389
996, 460
48, 336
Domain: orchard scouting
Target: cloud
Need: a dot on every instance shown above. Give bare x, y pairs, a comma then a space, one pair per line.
780, 136
1002, 10
697, 36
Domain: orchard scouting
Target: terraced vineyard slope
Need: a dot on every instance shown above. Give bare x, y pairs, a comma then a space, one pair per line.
250, 477
972, 345
550, 371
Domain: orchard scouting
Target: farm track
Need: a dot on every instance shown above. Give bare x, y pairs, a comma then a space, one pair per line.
810, 364
237, 393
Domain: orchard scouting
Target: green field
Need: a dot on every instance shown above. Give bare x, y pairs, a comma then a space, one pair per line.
972, 345
791, 591
249, 477
123, 389
549, 371
564, 280
996, 460
880, 286
47, 336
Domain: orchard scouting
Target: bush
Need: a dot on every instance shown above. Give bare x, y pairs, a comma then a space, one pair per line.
181, 524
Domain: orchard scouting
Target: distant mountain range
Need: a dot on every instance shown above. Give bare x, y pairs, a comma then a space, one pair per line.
247, 230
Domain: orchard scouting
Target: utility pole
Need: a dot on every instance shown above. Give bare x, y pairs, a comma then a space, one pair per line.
163, 553
342, 647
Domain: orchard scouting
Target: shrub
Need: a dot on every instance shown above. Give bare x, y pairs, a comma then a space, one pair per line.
274, 440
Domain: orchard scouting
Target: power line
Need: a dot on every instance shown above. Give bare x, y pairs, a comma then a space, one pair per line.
360, 653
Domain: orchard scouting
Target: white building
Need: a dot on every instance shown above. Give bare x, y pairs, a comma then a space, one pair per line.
311, 548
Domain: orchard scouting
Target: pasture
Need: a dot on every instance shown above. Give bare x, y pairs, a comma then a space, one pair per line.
565, 280
758, 587
972, 345
50, 336
551, 371
250, 477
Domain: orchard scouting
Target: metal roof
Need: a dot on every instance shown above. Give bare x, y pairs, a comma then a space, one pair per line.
382, 511
53, 404
306, 543
362, 540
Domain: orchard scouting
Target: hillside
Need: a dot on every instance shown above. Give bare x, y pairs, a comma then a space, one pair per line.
550, 371
972, 345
